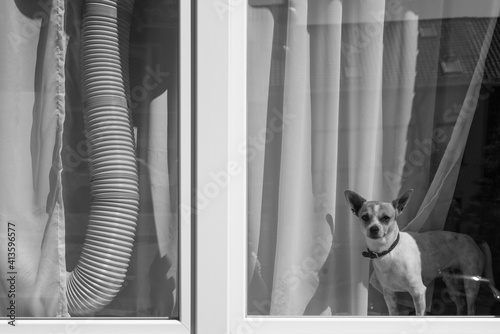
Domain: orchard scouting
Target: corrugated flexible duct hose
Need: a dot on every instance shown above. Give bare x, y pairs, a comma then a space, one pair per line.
114, 186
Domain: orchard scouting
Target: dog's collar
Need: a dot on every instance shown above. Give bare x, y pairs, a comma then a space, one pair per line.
374, 255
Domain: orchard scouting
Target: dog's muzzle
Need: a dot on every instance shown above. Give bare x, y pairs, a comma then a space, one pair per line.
374, 232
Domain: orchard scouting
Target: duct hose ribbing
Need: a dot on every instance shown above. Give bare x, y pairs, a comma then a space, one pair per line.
114, 184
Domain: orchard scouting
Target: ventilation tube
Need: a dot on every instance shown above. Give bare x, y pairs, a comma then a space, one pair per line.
114, 185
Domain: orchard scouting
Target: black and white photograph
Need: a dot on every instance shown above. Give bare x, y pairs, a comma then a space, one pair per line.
249, 166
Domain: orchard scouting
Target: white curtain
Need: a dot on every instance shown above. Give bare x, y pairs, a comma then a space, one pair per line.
331, 88
32, 116
44, 177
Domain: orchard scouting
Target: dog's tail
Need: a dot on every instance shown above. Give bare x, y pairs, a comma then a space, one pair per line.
488, 269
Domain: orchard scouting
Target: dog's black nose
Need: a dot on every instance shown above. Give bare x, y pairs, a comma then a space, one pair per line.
374, 229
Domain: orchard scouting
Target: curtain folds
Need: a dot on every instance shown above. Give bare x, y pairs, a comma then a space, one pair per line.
443, 184
33, 110
341, 77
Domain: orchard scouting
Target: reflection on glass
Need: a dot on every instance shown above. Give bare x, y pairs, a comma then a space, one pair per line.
377, 97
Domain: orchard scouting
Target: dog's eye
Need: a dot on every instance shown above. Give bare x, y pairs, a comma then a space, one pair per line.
365, 218
385, 219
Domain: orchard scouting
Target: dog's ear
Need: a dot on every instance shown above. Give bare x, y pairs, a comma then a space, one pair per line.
354, 200
400, 202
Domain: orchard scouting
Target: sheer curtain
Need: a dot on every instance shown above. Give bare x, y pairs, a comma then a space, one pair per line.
32, 116
44, 180
332, 105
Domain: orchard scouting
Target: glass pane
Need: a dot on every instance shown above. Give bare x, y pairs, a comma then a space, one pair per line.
396, 101
89, 167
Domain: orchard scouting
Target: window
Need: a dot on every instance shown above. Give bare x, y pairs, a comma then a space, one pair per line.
258, 115
379, 97
301, 131
96, 164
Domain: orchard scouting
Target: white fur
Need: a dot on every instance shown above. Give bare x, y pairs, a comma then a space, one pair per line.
418, 258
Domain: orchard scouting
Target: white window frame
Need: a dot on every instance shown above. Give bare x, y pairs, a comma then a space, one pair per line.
222, 216
185, 289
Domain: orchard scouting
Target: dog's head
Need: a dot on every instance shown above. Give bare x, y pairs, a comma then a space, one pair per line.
377, 218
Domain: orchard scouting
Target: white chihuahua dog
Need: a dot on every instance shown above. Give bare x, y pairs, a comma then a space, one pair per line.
407, 261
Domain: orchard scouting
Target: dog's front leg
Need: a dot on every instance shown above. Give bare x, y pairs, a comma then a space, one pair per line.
391, 302
418, 295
